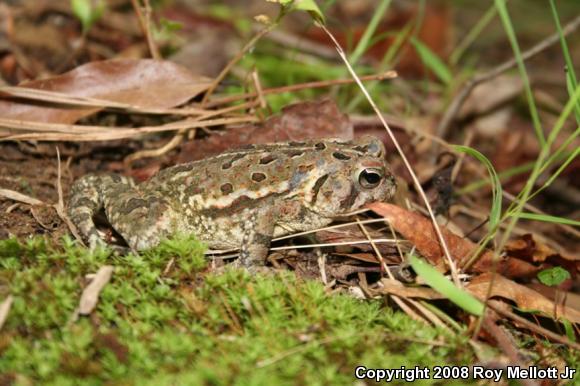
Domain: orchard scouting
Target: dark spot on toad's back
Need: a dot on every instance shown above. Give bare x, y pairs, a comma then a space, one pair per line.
361, 149
258, 177
267, 159
294, 153
183, 168
227, 188
340, 156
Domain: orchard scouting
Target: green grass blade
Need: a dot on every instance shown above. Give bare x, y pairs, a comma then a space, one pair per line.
570, 74
472, 35
516, 170
560, 153
432, 61
571, 90
386, 62
569, 328
365, 41
311, 7
548, 218
495, 213
555, 175
558, 156
507, 23
444, 286
564, 115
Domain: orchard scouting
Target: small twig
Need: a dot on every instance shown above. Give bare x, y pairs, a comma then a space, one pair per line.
144, 16
58, 180
457, 103
347, 224
535, 328
5, 310
59, 98
335, 244
322, 267
235, 60
301, 86
384, 265
168, 267
404, 303
443, 243
91, 293
429, 315
259, 90
59, 206
158, 152
181, 134
506, 344
295, 42
63, 132
15, 196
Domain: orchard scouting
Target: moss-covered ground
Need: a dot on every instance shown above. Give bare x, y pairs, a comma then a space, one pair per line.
186, 326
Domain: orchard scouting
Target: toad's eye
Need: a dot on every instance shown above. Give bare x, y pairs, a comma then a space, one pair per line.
370, 178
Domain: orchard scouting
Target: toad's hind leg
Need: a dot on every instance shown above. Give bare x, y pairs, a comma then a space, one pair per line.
143, 220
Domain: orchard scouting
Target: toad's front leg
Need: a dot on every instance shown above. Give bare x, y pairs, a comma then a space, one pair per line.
257, 235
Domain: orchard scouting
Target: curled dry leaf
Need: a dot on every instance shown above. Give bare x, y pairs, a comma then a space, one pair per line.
91, 293
420, 232
524, 297
145, 83
527, 247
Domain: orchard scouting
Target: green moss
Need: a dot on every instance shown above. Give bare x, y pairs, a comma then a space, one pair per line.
186, 326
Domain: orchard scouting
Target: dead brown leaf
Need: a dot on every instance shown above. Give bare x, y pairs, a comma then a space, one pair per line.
420, 232
300, 121
145, 83
524, 297
569, 299
526, 247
